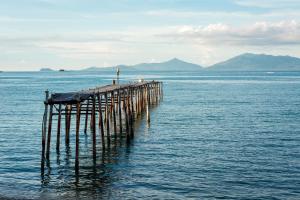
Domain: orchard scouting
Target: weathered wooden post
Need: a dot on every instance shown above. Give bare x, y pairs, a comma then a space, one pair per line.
129, 110
152, 94
131, 113
126, 114
77, 137
162, 90
44, 130
120, 110
140, 100
68, 115
58, 128
94, 126
147, 104
114, 112
134, 98
86, 116
107, 119
156, 92
101, 120
137, 101
49, 131
132, 102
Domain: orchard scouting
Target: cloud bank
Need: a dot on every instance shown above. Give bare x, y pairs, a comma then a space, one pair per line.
259, 33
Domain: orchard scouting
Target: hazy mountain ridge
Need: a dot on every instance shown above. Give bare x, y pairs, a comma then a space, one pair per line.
170, 65
243, 62
258, 62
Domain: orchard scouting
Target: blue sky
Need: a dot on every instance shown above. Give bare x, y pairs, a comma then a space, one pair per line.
75, 34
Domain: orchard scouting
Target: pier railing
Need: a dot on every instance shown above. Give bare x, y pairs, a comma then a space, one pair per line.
110, 109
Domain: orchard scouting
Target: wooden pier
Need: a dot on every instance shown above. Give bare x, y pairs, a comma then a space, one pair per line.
109, 110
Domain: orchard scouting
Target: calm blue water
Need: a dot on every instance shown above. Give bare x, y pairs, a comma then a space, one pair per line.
214, 136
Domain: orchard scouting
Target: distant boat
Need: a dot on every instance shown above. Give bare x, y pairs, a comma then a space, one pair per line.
61, 70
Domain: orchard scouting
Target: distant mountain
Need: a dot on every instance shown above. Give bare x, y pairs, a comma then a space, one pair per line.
46, 70
171, 65
258, 62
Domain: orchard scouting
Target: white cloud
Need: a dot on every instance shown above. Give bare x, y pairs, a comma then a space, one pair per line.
257, 34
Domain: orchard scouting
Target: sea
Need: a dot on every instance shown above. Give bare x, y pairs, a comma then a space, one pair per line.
214, 135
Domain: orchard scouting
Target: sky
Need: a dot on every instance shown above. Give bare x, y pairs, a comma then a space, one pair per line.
75, 34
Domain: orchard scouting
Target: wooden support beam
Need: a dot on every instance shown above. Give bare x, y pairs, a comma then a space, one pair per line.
156, 93
132, 102
77, 138
136, 102
58, 128
126, 115
114, 114
107, 120
94, 126
131, 113
68, 124
139, 101
120, 110
147, 104
86, 116
101, 121
142, 99
49, 132
44, 130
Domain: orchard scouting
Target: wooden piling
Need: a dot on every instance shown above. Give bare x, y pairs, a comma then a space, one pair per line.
147, 105
126, 115
49, 132
86, 117
101, 121
129, 110
131, 113
77, 137
58, 128
44, 129
68, 123
107, 120
114, 112
93, 118
120, 110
